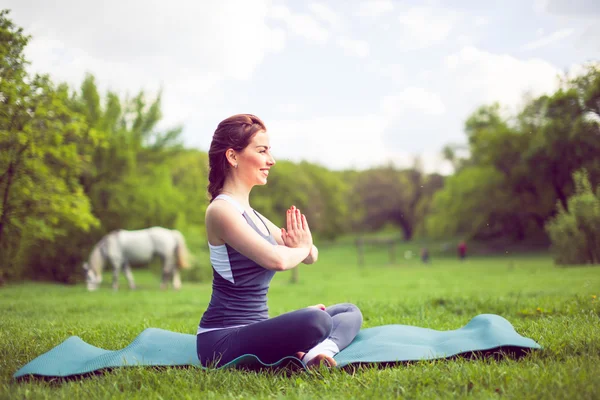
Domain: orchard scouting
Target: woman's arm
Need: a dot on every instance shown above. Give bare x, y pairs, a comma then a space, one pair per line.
273, 229
313, 256
276, 232
225, 222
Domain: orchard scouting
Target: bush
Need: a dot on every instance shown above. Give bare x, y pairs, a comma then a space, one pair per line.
575, 233
61, 258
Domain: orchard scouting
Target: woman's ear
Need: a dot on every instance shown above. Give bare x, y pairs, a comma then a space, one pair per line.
231, 157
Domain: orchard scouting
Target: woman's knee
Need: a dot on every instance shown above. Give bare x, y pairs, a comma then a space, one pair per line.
348, 308
355, 312
318, 324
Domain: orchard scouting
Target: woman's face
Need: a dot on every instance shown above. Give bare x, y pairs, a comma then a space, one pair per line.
256, 159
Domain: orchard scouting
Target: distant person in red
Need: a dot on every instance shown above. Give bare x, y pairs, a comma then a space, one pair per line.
462, 250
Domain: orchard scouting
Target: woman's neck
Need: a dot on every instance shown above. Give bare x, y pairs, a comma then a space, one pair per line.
239, 193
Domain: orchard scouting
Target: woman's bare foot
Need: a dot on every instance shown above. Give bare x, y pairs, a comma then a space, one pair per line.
321, 359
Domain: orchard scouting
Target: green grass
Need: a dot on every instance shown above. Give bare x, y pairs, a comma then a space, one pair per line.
554, 306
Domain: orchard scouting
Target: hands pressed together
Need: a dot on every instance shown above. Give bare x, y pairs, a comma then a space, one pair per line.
297, 233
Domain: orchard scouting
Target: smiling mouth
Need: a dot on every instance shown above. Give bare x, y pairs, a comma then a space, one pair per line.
265, 172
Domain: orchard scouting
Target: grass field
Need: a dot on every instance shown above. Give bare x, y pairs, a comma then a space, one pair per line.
556, 307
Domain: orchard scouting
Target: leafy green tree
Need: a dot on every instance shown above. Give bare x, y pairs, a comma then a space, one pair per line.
387, 195
575, 231
467, 203
383, 199
528, 159
40, 159
127, 172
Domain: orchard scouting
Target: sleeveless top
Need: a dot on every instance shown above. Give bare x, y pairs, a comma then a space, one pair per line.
240, 285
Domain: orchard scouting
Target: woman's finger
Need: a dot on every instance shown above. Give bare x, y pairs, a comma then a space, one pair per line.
294, 222
304, 222
289, 219
298, 219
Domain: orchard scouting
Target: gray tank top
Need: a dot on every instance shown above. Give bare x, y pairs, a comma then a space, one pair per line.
240, 285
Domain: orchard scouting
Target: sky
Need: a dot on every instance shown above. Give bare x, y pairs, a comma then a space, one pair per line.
342, 83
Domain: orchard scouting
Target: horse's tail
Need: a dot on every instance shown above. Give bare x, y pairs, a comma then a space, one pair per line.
181, 250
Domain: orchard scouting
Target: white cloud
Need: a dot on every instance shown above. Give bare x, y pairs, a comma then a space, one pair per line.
336, 141
326, 14
540, 6
481, 20
545, 41
578, 8
422, 27
413, 99
188, 49
341, 142
288, 108
358, 48
485, 77
302, 25
395, 72
374, 8
467, 40
149, 34
276, 40
307, 26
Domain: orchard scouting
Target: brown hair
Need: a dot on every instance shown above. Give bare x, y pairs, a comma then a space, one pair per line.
234, 133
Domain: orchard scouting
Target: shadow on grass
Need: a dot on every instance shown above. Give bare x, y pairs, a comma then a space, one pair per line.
293, 367
497, 354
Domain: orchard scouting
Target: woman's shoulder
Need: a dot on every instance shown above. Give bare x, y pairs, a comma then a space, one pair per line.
215, 208
218, 209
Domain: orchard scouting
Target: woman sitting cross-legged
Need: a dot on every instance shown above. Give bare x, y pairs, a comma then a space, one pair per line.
246, 250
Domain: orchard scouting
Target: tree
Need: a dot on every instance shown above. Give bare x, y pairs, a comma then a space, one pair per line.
575, 231
466, 206
401, 197
127, 170
526, 161
40, 161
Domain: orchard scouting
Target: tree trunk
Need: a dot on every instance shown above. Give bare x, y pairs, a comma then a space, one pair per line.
407, 229
561, 196
558, 189
295, 276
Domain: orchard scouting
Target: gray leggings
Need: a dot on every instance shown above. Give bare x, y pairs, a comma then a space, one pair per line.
281, 336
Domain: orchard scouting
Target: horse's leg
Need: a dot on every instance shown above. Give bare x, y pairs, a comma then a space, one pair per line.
170, 272
129, 275
165, 272
116, 269
176, 278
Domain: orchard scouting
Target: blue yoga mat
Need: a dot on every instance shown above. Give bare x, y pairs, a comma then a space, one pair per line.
382, 344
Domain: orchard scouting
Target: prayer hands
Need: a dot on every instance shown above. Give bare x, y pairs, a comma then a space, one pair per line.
297, 233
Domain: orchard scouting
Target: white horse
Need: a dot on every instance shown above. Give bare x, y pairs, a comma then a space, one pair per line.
123, 248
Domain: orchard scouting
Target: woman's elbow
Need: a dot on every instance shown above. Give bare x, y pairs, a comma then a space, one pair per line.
276, 263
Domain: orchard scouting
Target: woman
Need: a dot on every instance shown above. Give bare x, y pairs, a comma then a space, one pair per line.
246, 250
